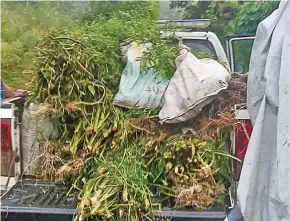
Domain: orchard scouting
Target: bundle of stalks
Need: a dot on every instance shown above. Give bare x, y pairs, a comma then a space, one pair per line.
148, 127
200, 195
236, 93
219, 114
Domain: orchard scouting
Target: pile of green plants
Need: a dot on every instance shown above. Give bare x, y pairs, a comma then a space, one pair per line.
122, 164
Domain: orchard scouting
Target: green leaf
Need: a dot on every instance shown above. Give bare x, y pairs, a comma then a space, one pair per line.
91, 89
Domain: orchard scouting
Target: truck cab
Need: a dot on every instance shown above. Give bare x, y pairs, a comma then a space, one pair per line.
199, 41
235, 55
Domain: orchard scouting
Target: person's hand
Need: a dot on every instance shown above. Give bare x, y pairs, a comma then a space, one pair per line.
21, 93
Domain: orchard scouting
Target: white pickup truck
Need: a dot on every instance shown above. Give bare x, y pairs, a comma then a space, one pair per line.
11, 151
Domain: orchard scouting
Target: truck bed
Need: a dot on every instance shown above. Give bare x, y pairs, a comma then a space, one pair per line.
31, 200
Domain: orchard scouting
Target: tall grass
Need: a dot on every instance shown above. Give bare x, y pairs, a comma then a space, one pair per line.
24, 24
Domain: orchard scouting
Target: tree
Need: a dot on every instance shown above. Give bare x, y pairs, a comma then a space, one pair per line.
192, 9
250, 14
110, 8
228, 17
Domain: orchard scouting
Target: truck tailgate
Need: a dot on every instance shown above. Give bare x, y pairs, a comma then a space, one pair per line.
31, 200
37, 201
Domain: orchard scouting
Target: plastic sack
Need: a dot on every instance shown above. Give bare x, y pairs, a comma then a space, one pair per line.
34, 128
139, 89
195, 84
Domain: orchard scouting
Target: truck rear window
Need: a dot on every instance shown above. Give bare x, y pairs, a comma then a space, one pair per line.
200, 45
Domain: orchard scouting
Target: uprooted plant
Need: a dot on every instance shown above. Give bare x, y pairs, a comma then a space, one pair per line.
196, 172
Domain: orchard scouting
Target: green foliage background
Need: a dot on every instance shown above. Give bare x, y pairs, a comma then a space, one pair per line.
23, 25
228, 17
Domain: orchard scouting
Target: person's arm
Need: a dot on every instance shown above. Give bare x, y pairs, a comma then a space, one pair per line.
8, 91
